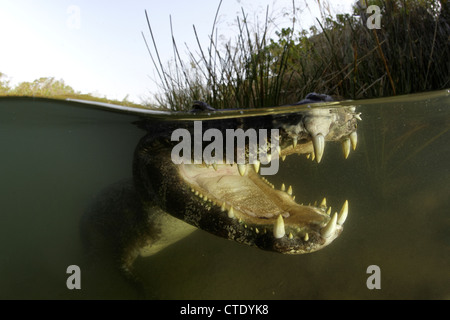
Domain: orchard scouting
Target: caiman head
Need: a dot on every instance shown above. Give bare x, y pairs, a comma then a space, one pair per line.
235, 201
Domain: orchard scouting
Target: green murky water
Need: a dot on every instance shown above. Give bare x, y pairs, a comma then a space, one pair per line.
55, 157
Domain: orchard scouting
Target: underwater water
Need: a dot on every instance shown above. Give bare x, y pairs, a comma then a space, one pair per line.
57, 156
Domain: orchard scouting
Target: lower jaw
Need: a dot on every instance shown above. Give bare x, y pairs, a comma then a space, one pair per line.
315, 228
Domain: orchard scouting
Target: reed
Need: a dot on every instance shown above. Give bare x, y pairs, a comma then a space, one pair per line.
340, 57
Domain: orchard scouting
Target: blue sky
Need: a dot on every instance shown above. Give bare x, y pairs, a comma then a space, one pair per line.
96, 46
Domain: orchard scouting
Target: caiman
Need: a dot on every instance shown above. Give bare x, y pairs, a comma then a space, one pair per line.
169, 198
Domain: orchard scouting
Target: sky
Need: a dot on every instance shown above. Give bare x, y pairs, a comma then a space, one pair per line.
97, 46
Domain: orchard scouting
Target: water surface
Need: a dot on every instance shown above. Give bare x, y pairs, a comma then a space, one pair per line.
56, 156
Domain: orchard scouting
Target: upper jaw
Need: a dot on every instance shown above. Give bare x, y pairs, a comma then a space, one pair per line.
314, 128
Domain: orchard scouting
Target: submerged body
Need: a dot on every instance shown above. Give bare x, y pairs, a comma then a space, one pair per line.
167, 201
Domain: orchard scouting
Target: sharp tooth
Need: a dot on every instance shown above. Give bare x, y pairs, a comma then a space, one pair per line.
346, 147
313, 156
319, 146
324, 202
308, 155
358, 116
256, 165
242, 168
231, 213
330, 228
354, 139
329, 211
289, 191
278, 228
306, 238
283, 187
222, 208
256, 230
294, 141
343, 213
283, 158
290, 235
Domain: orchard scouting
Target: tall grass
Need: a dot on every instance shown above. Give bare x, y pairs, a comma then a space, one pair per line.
341, 57
243, 72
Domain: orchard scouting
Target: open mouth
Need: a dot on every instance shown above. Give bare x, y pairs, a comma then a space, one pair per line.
258, 213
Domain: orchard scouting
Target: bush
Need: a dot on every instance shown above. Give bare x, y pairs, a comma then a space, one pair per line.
342, 58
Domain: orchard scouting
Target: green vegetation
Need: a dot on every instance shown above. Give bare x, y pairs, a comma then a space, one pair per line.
51, 88
343, 58
4, 85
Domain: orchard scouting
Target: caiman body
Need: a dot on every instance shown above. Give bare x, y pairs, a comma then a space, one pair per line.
167, 201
